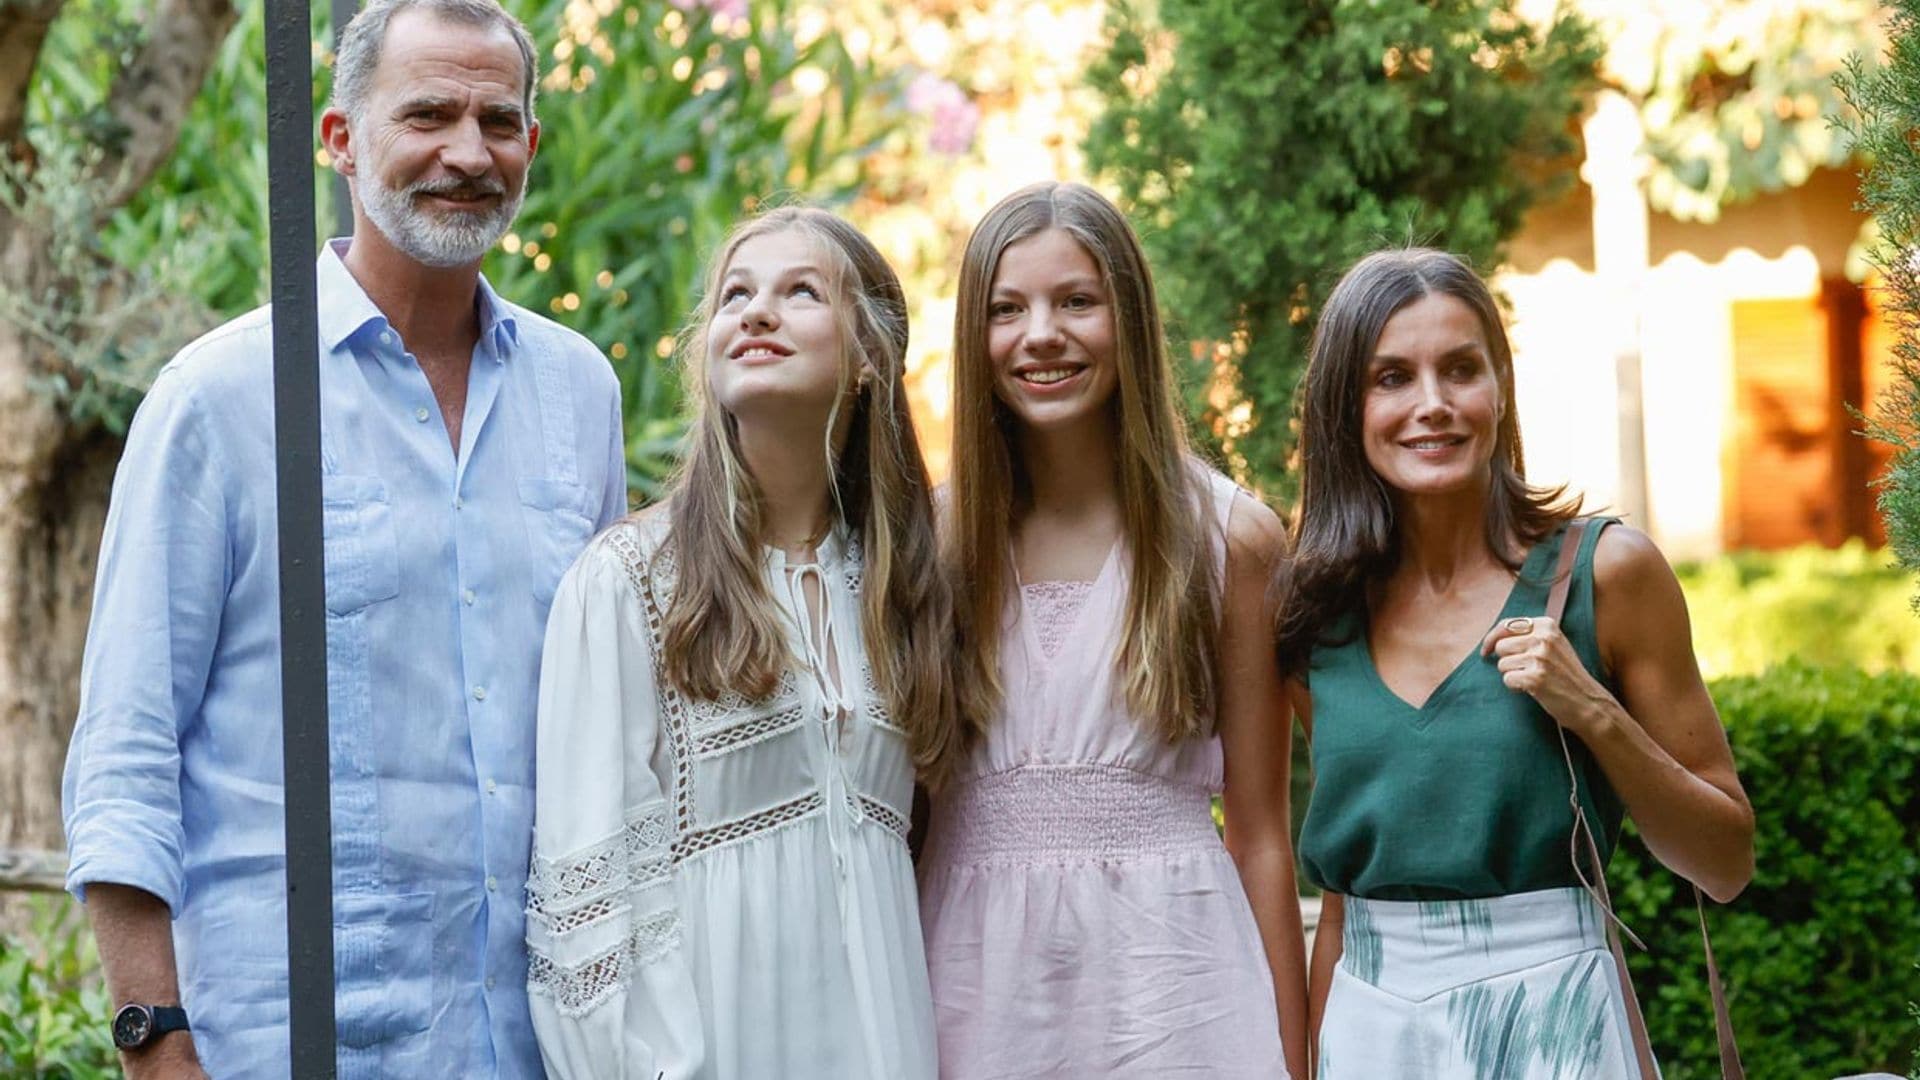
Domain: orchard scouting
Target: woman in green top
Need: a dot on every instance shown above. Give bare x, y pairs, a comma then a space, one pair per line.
1454, 940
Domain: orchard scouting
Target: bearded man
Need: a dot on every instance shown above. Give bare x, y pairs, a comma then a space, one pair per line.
469, 449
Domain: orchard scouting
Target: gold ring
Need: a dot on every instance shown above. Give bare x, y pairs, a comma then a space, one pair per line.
1521, 625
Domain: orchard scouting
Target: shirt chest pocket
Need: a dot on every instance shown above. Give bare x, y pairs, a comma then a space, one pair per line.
362, 552
559, 519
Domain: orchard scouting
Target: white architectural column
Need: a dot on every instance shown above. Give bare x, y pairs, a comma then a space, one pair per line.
1614, 170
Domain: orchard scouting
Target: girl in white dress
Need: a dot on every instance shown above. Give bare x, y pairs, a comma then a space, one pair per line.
734, 689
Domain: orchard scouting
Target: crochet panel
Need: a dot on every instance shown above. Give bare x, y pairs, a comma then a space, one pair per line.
593, 886
580, 989
567, 893
700, 730
886, 816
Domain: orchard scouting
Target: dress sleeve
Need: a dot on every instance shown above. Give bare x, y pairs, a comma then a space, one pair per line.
611, 991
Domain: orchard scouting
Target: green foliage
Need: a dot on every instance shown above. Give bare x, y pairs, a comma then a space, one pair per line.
100, 328
1264, 147
1818, 954
1887, 101
53, 1006
660, 130
187, 250
1737, 98
1913, 1010
206, 210
1829, 608
660, 127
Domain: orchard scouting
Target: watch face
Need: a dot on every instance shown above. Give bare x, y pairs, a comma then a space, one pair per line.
131, 1026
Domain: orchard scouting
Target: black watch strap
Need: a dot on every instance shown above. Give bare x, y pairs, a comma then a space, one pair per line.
168, 1018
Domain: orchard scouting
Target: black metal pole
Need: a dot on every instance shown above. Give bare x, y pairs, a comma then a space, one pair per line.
303, 628
343, 13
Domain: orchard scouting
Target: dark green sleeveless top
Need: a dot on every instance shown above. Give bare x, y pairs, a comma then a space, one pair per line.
1465, 797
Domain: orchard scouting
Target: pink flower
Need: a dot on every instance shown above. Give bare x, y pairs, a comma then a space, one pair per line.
733, 9
954, 116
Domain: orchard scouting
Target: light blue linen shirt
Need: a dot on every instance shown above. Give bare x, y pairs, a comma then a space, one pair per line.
440, 570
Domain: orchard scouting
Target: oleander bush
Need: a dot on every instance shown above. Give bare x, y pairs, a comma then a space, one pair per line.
1845, 607
1819, 953
53, 1005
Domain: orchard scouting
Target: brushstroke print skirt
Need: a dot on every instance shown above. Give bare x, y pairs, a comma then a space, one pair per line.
1515, 987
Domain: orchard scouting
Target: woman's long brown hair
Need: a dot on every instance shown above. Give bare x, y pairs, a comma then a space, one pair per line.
1167, 640
1345, 536
723, 633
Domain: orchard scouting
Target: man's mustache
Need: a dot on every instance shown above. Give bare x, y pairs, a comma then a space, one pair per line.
457, 189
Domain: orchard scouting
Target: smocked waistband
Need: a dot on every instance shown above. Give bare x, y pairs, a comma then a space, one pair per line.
1069, 814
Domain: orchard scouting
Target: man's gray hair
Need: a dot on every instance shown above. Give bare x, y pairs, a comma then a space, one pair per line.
359, 52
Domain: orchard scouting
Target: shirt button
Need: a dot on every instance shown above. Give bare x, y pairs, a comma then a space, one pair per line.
420, 414
386, 338
468, 596
459, 503
492, 883
491, 786
479, 693
489, 982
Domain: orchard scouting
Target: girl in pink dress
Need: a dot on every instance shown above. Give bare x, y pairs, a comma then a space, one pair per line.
1083, 917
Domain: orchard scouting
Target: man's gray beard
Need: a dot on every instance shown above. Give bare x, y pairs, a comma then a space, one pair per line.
454, 238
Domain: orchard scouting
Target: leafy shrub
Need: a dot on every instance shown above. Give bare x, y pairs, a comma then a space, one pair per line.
53, 1006
1828, 608
1818, 954
1886, 108
1263, 147
662, 122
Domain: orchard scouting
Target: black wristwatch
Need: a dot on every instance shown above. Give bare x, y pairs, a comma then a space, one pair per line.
135, 1026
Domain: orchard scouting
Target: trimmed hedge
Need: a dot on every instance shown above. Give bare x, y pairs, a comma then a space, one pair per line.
1849, 606
1820, 953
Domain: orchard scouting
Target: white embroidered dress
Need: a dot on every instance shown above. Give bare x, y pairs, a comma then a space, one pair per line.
720, 889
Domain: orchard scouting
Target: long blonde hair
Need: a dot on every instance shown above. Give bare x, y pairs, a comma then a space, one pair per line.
722, 633
1166, 655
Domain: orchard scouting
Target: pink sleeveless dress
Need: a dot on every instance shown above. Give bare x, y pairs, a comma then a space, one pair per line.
1082, 917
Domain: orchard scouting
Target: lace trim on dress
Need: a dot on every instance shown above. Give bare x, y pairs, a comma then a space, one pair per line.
1053, 605
699, 729
710, 743
730, 832
877, 712
892, 819
590, 885
579, 989
653, 579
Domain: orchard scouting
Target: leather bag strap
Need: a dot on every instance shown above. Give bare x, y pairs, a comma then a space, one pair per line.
1730, 1066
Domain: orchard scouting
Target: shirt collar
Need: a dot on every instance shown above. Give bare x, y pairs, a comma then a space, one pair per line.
345, 311
497, 321
344, 307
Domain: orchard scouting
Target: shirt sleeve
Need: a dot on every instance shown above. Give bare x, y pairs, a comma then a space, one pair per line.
158, 597
611, 992
613, 502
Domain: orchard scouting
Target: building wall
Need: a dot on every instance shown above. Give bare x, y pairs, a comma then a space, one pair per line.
1719, 342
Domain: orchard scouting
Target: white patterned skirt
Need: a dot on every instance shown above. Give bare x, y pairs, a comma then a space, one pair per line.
1515, 987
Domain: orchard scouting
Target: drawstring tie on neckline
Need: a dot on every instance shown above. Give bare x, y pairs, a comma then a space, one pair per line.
836, 707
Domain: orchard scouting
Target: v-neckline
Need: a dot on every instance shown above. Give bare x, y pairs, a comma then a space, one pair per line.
1030, 634
1423, 712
